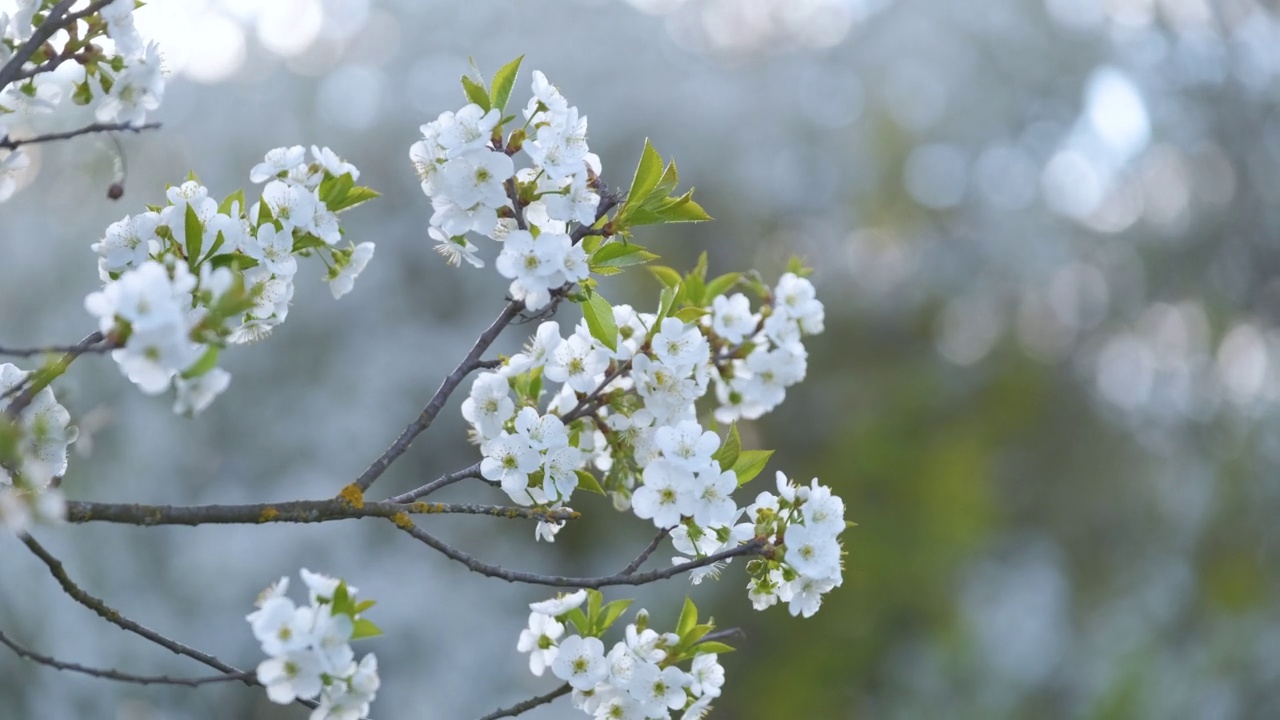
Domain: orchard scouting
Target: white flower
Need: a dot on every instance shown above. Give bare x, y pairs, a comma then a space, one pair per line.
560, 604
680, 345
794, 297
687, 445
336, 167
467, 130
546, 98
489, 405
455, 249
322, 586
804, 594
542, 432
539, 640
665, 495
291, 676
812, 552
477, 178
129, 242
197, 393
278, 161
731, 317
11, 165
509, 459
537, 351
136, 90
575, 202
658, 690
580, 662
274, 250
331, 639
546, 531
533, 265
293, 205
577, 362
559, 146
713, 504
341, 283
560, 471
706, 675
281, 626
822, 511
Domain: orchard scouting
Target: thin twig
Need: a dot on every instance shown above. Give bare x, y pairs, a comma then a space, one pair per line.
54, 349
298, 511
718, 635
108, 674
12, 143
471, 471
53, 22
751, 547
634, 565
433, 408
531, 703
40, 379
113, 616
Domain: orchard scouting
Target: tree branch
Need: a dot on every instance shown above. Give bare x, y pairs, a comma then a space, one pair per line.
40, 379
298, 511
634, 565
433, 408
751, 547
471, 471
115, 617
53, 22
531, 703
108, 674
54, 349
12, 144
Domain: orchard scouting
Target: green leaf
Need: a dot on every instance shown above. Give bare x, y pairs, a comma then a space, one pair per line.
207, 362
475, 93
688, 618
354, 196
682, 209
666, 299
667, 276
712, 647
612, 612
334, 189
341, 600
364, 629
218, 241
588, 482
750, 463
364, 605
195, 233
719, 285
599, 316
236, 198
579, 620
690, 314
503, 81
648, 173
619, 255
727, 455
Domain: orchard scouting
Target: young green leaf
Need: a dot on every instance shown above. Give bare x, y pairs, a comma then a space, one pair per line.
599, 316
588, 482
648, 173
713, 647
364, 629
727, 455
476, 93
667, 276
195, 233
688, 618
750, 463
354, 196
721, 284
503, 81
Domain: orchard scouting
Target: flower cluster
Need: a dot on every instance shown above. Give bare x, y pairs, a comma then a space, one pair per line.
775, 358
185, 279
33, 452
467, 170
309, 648
806, 521
116, 71
639, 677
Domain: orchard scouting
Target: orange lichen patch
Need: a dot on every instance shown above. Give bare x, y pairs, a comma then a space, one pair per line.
268, 515
402, 520
353, 496
425, 508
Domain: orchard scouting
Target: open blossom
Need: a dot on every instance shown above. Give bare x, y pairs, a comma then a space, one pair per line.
278, 161
342, 282
731, 317
128, 242
580, 662
509, 459
539, 640
577, 362
490, 405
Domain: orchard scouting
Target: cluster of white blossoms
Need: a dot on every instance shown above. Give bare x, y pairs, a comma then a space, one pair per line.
309, 648
807, 522
119, 74
187, 278
638, 678
468, 172
42, 434
748, 387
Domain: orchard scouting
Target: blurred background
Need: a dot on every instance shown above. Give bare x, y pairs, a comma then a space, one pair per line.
1045, 236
